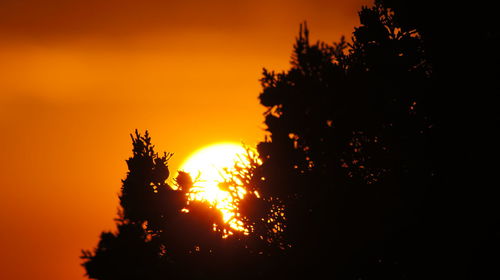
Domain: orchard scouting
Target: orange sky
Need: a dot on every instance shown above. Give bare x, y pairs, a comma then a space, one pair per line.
76, 77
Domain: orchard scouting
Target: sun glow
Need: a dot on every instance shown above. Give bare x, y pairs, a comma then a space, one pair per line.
206, 167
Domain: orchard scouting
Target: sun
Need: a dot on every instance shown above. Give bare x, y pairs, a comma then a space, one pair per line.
206, 167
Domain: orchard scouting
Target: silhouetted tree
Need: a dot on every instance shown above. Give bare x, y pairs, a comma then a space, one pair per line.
160, 233
359, 152
461, 43
375, 165
135, 250
154, 238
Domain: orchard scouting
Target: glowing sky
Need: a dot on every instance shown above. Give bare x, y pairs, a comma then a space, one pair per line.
76, 77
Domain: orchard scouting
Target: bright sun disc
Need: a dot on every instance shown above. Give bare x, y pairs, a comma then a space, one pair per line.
206, 167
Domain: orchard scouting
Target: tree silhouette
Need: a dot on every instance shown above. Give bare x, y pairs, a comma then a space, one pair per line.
153, 234
135, 251
160, 233
359, 151
375, 166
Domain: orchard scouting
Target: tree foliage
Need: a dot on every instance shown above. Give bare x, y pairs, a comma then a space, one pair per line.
160, 233
363, 158
374, 166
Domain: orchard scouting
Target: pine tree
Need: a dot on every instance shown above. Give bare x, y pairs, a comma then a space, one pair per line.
348, 130
161, 234
135, 250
